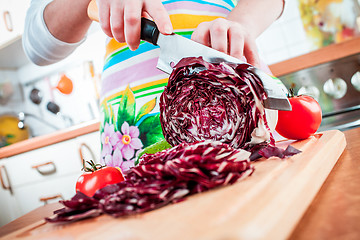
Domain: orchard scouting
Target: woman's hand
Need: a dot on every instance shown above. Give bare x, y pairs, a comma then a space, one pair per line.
229, 37
121, 19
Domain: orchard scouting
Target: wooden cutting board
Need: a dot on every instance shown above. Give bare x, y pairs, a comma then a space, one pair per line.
266, 205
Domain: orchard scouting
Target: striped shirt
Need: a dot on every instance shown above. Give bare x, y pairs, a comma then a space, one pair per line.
132, 85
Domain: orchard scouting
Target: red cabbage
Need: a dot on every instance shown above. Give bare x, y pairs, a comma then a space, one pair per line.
220, 102
271, 151
161, 178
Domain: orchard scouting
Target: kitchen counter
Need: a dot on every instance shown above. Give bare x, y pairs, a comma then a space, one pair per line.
45, 140
333, 214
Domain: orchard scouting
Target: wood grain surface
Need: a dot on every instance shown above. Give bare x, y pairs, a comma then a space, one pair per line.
266, 205
335, 211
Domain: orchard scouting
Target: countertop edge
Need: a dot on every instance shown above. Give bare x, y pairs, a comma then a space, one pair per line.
323, 55
52, 138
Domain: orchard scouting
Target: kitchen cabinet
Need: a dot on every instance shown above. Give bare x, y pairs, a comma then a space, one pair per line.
43, 164
12, 20
32, 179
28, 197
8, 207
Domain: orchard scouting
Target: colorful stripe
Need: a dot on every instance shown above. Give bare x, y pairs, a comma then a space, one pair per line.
228, 3
125, 53
117, 49
189, 21
137, 89
140, 70
130, 61
191, 5
179, 20
113, 46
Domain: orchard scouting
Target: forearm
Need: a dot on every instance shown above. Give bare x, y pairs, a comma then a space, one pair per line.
256, 15
67, 20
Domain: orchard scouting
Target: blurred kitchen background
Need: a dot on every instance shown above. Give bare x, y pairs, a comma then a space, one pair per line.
55, 97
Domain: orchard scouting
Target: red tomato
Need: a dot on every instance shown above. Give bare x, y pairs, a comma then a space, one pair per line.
303, 121
94, 179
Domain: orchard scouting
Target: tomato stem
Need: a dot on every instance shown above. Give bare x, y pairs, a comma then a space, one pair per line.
291, 93
93, 166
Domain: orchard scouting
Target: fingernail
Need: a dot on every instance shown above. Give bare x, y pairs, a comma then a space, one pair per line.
168, 29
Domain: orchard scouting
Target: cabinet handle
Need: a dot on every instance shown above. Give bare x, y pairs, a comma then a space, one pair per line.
4, 172
46, 199
8, 21
47, 172
82, 155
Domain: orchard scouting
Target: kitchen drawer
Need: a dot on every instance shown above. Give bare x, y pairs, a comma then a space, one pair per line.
33, 196
44, 163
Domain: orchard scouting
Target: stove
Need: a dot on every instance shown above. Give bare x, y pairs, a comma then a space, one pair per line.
336, 86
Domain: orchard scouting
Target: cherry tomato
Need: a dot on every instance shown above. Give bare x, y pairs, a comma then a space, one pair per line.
97, 177
303, 121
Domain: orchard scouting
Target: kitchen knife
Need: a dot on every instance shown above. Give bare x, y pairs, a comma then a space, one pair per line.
175, 47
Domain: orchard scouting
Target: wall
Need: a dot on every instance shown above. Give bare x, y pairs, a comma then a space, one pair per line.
285, 38
330, 22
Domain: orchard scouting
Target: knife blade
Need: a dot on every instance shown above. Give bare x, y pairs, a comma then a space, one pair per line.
175, 47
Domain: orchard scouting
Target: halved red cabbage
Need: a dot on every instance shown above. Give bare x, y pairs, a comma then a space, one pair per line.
220, 102
161, 178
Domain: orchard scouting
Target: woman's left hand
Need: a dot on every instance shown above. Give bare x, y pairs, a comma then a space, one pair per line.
229, 37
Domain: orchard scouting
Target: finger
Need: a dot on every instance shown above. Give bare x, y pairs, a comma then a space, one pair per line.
202, 34
146, 15
104, 17
132, 20
117, 22
219, 36
236, 42
251, 53
160, 16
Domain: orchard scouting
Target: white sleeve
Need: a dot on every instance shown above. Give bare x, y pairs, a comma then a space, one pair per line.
40, 46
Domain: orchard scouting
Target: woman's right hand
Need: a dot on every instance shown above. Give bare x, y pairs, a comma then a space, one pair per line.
121, 19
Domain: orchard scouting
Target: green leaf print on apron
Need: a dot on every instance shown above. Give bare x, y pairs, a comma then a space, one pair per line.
126, 134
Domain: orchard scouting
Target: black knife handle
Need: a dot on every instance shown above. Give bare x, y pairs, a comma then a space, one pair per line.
149, 31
